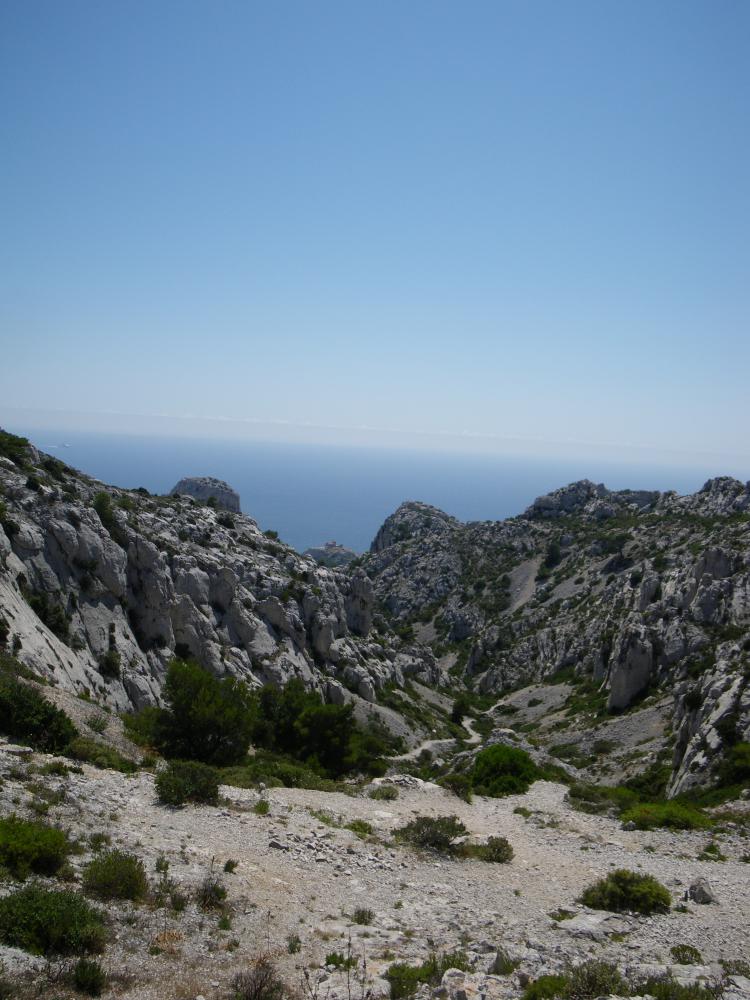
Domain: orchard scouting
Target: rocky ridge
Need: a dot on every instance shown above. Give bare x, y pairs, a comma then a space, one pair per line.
634, 591
100, 587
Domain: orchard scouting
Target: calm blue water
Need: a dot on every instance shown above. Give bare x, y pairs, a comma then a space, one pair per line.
311, 494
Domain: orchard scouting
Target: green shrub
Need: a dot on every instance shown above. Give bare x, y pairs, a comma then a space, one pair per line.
686, 954
386, 793
594, 979
432, 833
115, 874
360, 826
51, 612
187, 781
670, 815
28, 846
261, 807
340, 961
363, 916
546, 987
666, 988
586, 981
210, 894
502, 770
327, 738
405, 979
497, 850
293, 944
600, 799
27, 716
89, 977
49, 922
736, 767
14, 447
90, 752
207, 719
623, 890
459, 784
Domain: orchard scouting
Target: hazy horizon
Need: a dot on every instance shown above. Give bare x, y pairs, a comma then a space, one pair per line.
313, 492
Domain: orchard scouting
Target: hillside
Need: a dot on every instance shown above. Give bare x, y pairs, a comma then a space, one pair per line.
629, 595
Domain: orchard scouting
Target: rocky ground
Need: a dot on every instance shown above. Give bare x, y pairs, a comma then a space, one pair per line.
300, 872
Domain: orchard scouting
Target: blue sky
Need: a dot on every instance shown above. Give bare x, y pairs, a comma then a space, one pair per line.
489, 220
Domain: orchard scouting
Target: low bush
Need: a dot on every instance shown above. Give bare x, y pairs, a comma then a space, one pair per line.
260, 981
432, 833
600, 799
459, 784
360, 826
49, 922
27, 716
28, 846
594, 979
686, 954
497, 851
386, 793
670, 815
501, 770
406, 979
546, 987
667, 988
340, 961
736, 767
89, 977
623, 890
115, 874
90, 752
363, 916
586, 981
210, 894
187, 781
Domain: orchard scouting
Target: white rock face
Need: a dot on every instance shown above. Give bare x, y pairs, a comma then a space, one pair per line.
206, 488
100, 599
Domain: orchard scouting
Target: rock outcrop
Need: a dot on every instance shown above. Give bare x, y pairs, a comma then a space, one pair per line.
101, 587
331, 554
205, 489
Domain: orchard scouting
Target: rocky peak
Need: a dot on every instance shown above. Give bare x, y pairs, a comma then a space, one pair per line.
589, 499
207, 488
413, 519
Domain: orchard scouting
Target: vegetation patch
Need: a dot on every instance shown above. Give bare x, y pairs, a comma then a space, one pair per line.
89, 977
686, 954
49, 922
406, 979
187, 781
670, 815
116, 875
28, 846
627, 891
503, 770
432, 833
90, 752
497, 851
27, 716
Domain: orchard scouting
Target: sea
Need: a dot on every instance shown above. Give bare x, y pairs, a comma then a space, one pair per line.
311, 494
